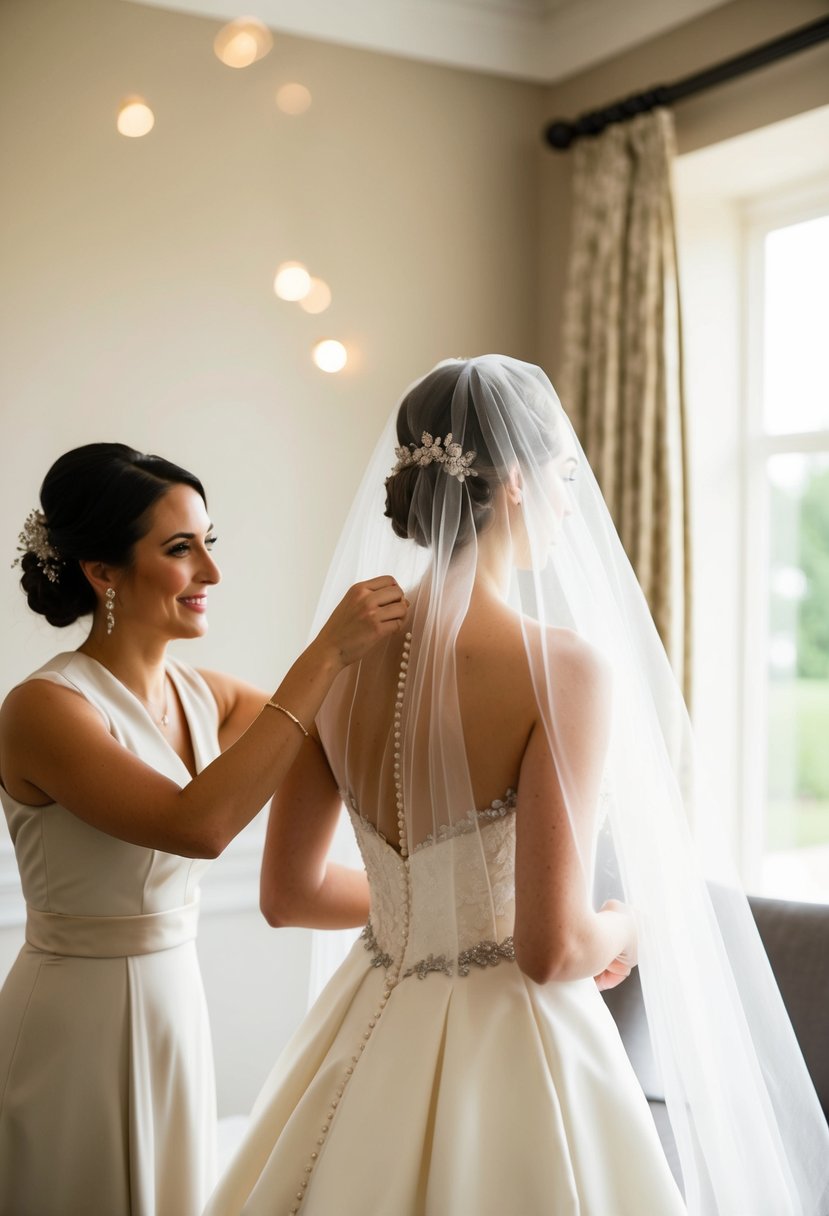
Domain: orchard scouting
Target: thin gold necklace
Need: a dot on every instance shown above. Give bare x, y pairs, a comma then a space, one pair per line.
152, 710
164, 720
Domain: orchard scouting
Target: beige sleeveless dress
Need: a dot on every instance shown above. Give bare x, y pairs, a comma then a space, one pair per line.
107, 1099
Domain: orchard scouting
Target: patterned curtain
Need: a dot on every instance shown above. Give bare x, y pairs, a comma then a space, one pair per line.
622, 367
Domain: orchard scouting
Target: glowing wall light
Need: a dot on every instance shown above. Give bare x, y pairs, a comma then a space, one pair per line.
240, 43
292, 281
135, 118
317, 298
330, 355
293, 98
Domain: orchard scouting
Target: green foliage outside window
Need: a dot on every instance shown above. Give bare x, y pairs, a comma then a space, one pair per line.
798, 758
813, 618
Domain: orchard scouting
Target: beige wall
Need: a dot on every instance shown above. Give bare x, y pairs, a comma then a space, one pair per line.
138, 273
790, 87
138, 306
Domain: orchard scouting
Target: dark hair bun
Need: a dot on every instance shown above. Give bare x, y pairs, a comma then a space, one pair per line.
400, 489
411, 495
61, 602
97, 501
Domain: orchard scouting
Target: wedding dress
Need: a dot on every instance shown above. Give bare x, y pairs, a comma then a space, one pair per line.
430, 1083
432, 1077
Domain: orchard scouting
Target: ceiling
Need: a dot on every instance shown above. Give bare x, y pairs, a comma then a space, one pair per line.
536, 40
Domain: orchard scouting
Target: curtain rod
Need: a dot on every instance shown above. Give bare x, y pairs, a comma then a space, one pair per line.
560, 133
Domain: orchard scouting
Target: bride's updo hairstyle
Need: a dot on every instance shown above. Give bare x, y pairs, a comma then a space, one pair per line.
96, 501
531, 430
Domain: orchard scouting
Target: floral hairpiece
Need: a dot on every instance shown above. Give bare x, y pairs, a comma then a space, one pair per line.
34, 538
437, 451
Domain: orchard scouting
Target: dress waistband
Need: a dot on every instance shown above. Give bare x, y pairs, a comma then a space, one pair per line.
111, 936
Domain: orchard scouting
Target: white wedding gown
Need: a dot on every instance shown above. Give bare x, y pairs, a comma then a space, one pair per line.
464, 1089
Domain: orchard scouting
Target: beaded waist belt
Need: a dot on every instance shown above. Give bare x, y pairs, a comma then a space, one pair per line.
482, 954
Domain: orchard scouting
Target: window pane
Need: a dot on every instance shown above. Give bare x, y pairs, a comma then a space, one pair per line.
796, 343
796, 859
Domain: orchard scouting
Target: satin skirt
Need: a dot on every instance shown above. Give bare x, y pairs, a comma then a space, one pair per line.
484, 1094
107, 1098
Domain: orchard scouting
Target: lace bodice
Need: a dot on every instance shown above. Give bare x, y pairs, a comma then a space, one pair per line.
455, 892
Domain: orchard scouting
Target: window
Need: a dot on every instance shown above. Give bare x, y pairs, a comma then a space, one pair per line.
786, 546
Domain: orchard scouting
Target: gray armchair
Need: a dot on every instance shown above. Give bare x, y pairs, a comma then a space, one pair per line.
796, 940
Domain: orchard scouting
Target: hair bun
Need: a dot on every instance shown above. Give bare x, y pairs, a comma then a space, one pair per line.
62, 602
410, 503
400, 488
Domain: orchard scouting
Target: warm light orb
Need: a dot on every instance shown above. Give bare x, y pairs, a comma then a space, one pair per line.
317, 298
240, 51
135, 118
292, 281
330, 355
242, 42
293, 98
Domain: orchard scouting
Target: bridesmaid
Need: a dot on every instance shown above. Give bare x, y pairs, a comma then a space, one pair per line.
122, 770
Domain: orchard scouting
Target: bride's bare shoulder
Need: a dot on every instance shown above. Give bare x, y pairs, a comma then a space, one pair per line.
495, 637
502, 635
566, 654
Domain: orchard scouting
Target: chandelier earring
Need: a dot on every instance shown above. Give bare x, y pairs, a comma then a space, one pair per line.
110, 607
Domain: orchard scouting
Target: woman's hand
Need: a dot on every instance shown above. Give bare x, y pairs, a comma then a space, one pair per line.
620, 968
367, 613
613, 975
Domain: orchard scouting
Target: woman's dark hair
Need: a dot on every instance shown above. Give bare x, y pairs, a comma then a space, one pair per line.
96, 500
430, 406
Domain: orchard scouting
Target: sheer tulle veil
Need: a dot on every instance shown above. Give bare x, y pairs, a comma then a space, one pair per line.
751, 1136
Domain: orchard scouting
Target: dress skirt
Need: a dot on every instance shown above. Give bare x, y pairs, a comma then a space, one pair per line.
485, 1094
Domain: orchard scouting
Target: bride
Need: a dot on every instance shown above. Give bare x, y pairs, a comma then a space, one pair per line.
519, 776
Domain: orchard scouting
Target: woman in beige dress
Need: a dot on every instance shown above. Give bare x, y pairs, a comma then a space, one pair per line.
123, 771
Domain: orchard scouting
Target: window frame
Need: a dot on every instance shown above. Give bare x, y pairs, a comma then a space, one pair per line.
761, 215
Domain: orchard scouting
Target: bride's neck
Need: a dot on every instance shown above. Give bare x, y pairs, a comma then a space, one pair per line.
494, 563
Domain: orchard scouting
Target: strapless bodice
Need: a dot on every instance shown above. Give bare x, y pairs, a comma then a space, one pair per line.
450, 904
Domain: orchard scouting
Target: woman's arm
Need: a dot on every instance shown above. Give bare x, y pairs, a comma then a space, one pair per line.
558, 935
298, 886
54, 746
239, 704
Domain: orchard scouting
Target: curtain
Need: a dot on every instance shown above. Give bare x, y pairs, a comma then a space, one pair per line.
621, 377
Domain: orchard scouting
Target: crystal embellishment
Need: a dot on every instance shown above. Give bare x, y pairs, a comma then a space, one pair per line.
482, 954
432, 963
486, 954
496, 810
34, 538
371, 944
435, 450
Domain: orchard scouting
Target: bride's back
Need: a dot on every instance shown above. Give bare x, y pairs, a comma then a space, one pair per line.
495, 705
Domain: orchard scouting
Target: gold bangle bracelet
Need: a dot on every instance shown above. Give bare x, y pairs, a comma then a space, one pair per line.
275, 705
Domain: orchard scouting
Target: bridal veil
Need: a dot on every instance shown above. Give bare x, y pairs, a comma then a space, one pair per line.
751, 1137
